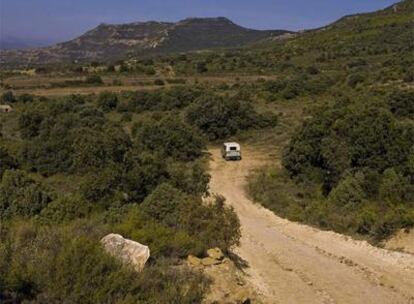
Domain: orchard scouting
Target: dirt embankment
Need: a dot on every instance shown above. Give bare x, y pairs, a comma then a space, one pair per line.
293, 263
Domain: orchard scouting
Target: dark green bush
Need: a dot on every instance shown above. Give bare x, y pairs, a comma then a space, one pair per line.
94, 80
7, 162
170, 137
20, 196
107, 101
7, 97
54, 266
219, 117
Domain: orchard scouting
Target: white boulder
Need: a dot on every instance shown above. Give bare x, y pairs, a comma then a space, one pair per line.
129, 252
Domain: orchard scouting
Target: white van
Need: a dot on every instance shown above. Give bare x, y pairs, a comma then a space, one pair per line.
231, 151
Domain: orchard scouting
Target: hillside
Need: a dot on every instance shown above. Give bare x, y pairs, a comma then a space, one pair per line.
112, 42
325, 120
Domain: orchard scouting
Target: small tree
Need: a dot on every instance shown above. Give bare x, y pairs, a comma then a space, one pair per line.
8, 97
107, 101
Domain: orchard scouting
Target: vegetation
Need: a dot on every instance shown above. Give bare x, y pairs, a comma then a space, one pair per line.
361, 155
145, 183
75, 168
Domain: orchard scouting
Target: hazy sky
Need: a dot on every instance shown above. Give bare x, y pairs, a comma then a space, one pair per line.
58, 20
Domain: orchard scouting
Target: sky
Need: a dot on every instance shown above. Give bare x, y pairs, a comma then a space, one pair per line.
60, 20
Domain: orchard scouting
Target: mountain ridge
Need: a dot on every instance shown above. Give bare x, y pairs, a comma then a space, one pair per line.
117, 41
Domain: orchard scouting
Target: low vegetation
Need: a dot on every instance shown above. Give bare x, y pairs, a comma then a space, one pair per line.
355, 161
75, 168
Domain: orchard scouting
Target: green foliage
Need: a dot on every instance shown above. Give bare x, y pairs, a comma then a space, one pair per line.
7, 97
26, 98
94, 80
401, 103
49, 265
29, 123
348, 136
164, 205
7, 162
20, 196
219, 117
65, 209
107, 101
361, 153
170, 137
184, 218
162, 100
70, 136
355, 79
159, 82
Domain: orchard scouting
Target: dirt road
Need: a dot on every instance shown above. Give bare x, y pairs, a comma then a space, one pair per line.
294, 263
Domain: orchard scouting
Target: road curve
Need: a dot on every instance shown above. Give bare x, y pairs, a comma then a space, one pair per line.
294, 263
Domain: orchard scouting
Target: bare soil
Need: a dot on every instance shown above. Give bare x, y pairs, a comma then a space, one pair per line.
289, 262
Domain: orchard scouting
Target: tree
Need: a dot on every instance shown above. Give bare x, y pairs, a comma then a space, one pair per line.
8, 97
107, 101
21, 196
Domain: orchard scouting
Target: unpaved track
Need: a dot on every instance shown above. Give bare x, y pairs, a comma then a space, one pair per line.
294, 263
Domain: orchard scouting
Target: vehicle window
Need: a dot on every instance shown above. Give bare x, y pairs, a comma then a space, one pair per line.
233, 148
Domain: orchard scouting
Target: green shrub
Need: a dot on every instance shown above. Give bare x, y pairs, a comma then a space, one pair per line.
53, 265
26, 98
219, 117
94, 80
64, 209
159, 82
355, 79
20, 196
170, 137
107, 101
7, 162
401, 103
7, 97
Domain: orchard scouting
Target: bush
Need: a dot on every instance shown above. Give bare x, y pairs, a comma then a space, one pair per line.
401, 103
214, 224
355, 79
20, 196
94, 80
7, 97
170, 137
107, 101
159, 82
7, 162
219, 118
65, 209
52, 265
26, 98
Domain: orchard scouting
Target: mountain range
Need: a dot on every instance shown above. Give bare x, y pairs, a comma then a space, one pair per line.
112, 42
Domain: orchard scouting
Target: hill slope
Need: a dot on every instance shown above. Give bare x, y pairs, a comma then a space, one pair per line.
117, 41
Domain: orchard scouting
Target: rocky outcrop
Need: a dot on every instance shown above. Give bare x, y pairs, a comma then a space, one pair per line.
129, 252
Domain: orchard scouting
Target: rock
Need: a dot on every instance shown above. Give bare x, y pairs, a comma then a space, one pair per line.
215, 253
127, 251
194, 261
210, 261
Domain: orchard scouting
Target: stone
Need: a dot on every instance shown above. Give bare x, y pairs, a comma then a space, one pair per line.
215, 253
193, 260
210, 261
127, 251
